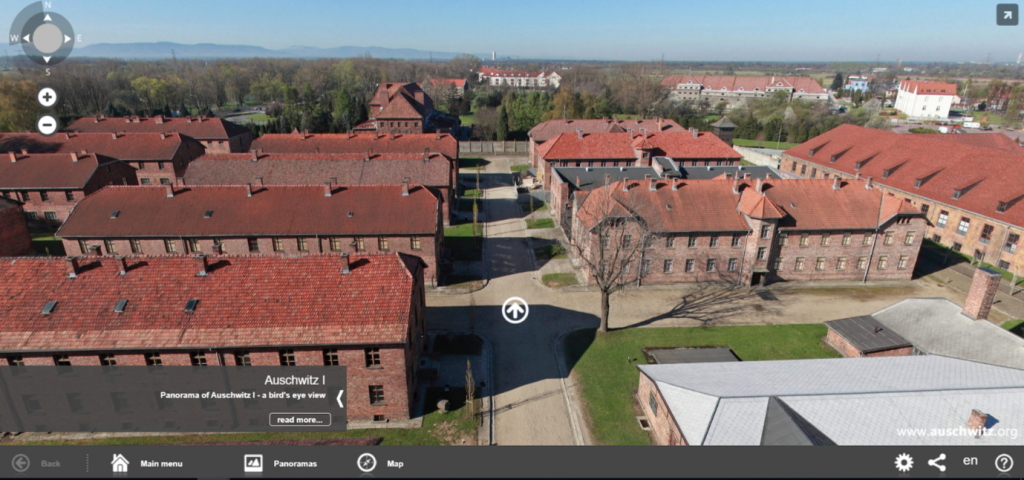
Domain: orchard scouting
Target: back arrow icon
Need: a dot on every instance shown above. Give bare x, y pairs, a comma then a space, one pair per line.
340, 393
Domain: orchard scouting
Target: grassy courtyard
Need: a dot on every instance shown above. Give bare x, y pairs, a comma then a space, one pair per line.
743, 142
608, 381
47, 244
555, 280
465, 242
539, 222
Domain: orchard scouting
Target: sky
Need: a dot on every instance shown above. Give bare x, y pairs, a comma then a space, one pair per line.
681, 30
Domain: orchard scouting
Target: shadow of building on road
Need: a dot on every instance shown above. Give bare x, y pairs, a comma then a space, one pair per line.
932, 260
708, 303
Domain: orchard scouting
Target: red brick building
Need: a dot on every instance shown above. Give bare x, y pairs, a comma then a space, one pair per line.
633, 149
433, 170
157, 157
549, 129
404, 108
970, 195
271, 220
750, 231
14, 237
365, 312
48, 185
216, 134
358, 143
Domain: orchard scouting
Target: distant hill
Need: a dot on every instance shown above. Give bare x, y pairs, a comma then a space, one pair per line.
160, 50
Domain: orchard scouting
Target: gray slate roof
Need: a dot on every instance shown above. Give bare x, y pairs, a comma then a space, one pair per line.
867, 335
593, 177
849, 401
693, 355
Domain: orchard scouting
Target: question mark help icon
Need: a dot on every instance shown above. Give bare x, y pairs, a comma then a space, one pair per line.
1004, 463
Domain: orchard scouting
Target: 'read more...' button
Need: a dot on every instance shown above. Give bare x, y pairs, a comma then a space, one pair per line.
300, 419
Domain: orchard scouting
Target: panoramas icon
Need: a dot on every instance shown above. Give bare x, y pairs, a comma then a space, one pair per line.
253, 463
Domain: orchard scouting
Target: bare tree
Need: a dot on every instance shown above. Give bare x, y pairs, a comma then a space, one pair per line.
610, 236
470, 388
638, 87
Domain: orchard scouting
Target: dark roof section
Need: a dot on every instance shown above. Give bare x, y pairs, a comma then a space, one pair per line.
867, 334
200, 128
693, 355
783, 426
312, 169
593, 177
724, 122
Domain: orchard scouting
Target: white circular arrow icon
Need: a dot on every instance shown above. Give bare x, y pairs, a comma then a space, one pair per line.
515, 310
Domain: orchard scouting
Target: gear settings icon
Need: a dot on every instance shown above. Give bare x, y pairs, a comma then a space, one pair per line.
904, 462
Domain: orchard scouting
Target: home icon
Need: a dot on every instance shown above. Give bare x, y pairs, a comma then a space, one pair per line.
119, 463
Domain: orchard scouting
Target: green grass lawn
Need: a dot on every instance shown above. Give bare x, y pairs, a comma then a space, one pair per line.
555, 280
467, 120
941, 250
1015, 326
464, 281
47, 244
540, 223
473, 163
743, 142
537, 206
550, 252
608, 381
465, 246
438, 429
472, 193
519, 168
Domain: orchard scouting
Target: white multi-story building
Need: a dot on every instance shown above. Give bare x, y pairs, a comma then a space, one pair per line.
518, 78
922, 99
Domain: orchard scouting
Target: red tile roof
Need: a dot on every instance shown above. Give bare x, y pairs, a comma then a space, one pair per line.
678, 145
547, 130
398, 100
986, 177
921, 87
712, 206
147, 211
359, 143
745, 84
49, 171
455, 82
125, 147
994, 141
314, 168
247, 301
200, 128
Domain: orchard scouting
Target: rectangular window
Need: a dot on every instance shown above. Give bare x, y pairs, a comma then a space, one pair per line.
667, 267
799, 264
652, 402
888, 238
142, 166
803, 170
198, 359
883, 262
193, 245
414, 243
732, 265
957, 246
1011, 243
783, 239
826, 238
777, 263
136, 245
689, 265
372, 357
83, 245
762, 253
965, 224
846, 239
254, 245
1004, 265
692, 241
766, 231
109, 245
61, 361
69, 196
16, 361
814, 172
278, 245
735, 240
32, 216
714, 241
44, 196
862, 263
937, 238
301, 244
335, 244
287, 357
382, 243
165, 181
902, 264
819, 264
670, 241
924, 209
909, 239
986, 234
627, 240
376, 394
867, 239
145, 181
805, 240
943, 218
108, 360
711, 265
170, 246
331, 357
841, 263
153, 359
243, 359
160, 166
359, 244
25, 198
645, 267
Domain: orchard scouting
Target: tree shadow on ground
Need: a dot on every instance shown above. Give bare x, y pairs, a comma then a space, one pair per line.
708, 303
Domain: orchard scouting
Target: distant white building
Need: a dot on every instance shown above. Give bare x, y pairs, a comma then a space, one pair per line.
519, 78
926, 100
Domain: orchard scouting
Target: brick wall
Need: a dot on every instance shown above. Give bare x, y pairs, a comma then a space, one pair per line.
14, 236
664, 427
982, 293
844, 347
173, 168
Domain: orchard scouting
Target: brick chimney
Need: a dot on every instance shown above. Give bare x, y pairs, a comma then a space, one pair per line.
651, 186
976, 422
675, 185
837, 183
327, 189
405, 187
255, 155
625, 185
170, 190
579, 133
759, 186
72, 267
695, 132
659, 123
983, 291
179, 181
345, 266
114, 135
14, 156
868, 184
736, 185
858, 176
159, 119
204, 265
248, 190
123, 263
607, 179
